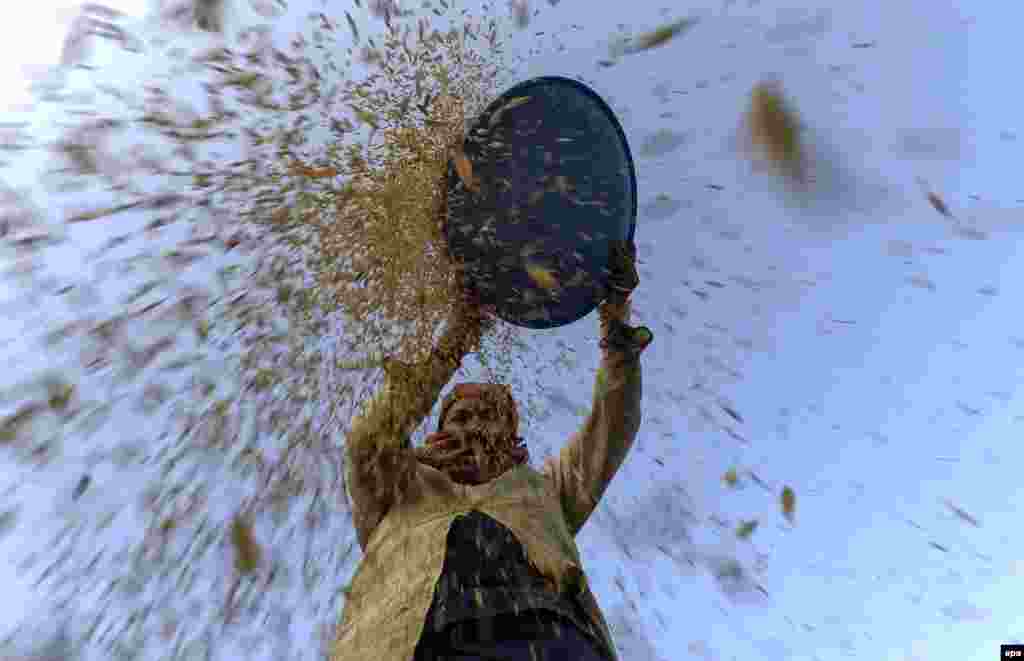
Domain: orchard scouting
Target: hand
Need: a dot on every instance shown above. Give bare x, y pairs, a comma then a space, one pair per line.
616, 333
622, 274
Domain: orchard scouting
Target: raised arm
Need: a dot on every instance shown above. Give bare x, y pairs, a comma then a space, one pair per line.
379, 462
592, 456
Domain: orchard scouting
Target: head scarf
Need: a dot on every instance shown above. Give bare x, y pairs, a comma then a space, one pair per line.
497, 394
476, 465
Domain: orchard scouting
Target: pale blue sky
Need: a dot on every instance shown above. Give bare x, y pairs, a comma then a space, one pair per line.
874, 423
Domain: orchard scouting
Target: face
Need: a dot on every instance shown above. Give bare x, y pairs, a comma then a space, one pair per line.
470, 418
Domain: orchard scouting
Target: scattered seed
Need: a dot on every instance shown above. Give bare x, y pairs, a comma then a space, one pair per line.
513, 103
774, 128
788, 500
746, 529
732, 413
542, 277
247, 551
464, 168
80, 488
14, 423
963, 515
660, 36
939, 205
352, 26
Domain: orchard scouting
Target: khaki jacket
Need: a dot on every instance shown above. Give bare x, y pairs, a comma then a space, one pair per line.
404, 544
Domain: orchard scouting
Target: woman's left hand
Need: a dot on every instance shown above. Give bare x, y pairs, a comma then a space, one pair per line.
623, 277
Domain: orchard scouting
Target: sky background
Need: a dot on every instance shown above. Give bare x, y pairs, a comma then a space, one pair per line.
871, 346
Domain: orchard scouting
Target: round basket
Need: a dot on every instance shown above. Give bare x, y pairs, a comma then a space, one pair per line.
547, 184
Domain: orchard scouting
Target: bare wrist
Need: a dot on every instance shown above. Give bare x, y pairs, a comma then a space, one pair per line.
617, 335
619, 311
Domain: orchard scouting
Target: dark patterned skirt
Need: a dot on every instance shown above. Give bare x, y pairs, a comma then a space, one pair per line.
489, 599
537, 635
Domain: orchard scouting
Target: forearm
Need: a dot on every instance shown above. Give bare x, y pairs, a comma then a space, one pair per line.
588, 462
620, 343
617, 392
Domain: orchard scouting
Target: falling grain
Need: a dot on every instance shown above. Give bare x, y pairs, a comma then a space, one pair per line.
464, 168
732, 413
542, 277
746, 529
939, 205
963, 515
247, 551
352, 26
660, 36
788, 501
774, 128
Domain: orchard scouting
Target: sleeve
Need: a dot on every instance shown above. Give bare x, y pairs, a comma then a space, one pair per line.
585, 466
379, 462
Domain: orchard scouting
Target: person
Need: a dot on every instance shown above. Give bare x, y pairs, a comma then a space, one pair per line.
469, 552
